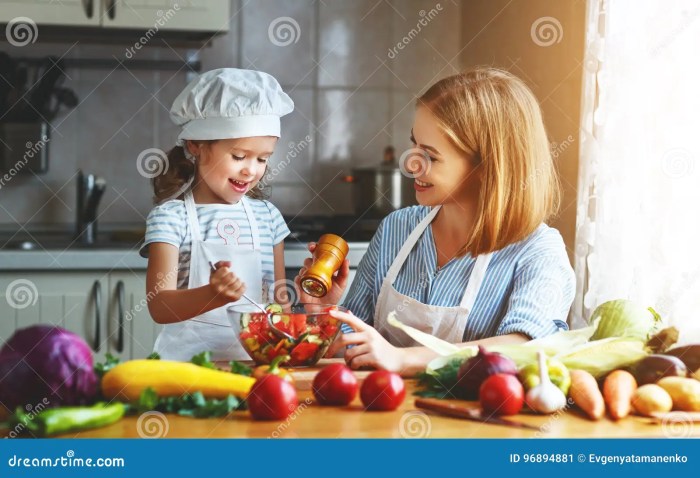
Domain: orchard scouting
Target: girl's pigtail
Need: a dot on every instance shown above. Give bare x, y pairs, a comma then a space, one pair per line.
170, 185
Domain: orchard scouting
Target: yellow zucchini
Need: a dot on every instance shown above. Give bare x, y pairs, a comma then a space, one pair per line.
127, 380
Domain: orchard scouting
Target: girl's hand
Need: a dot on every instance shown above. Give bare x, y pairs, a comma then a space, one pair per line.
339, 282
370, 348
225, 284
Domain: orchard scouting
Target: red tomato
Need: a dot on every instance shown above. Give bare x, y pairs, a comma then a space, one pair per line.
382, 390
335, 385
502, 394
272, 398
303, 352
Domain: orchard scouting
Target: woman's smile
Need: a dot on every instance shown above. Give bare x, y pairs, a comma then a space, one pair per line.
421, 186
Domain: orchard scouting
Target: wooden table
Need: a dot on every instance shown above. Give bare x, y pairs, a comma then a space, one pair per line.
313, 421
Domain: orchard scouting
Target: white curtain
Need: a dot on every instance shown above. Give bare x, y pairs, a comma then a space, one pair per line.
638, 220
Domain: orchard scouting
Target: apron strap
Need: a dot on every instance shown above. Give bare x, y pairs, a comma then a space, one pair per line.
475, 281
401, 257
253, 223
192, 219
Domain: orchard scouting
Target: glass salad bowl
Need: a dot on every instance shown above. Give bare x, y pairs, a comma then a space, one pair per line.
302, 331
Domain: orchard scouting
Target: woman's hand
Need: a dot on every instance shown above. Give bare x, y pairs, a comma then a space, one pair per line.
339, 282
370, 348
226, 285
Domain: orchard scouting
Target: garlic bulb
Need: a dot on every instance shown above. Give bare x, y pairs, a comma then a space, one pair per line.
546, 397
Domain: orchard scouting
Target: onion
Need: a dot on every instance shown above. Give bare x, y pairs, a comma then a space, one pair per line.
474, 371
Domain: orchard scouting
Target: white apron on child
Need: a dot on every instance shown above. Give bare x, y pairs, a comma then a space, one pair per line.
213, 331
446, 323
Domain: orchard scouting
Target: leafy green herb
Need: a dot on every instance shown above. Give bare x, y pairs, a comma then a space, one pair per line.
153, 356
204, 360
102, 368
189, 405
440, 383
240, 368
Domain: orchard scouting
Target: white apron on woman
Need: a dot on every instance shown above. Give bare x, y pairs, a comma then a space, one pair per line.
446, 323
212, 331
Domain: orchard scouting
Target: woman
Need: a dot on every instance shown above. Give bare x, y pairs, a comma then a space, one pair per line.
474, 263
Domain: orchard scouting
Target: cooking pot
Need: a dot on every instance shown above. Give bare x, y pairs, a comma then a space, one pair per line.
377, 191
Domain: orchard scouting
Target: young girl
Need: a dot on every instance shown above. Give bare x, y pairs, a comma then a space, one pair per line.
474, 263
218, 239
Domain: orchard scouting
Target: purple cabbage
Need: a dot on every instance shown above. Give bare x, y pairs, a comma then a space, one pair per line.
46, 364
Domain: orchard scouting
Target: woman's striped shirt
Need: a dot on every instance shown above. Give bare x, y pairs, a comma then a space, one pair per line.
167, 223
528, 288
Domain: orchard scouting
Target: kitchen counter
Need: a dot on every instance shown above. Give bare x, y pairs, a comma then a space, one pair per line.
313, 421
128, 259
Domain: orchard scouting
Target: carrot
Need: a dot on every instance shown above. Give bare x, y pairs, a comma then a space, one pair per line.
618, 389
586, 395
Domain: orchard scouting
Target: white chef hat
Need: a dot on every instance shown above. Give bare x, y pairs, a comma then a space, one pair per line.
230, 103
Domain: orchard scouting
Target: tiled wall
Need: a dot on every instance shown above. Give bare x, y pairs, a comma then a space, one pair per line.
354, 95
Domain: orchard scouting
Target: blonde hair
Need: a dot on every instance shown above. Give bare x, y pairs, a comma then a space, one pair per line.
493, 116
180, 170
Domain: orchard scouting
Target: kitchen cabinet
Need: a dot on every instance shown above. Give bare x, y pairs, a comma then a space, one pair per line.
43, 12
192, 15
108, 309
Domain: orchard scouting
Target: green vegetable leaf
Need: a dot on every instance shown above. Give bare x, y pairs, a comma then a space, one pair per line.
148, 400
102, 368
203, 360
189, 405
240, 368
153, 356
441, 382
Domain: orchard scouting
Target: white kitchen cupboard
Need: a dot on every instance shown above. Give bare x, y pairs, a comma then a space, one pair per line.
47, 12
192, 15
185, 15
107, 309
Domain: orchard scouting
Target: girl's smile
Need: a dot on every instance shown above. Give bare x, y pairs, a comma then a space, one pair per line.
240, 187
230, 168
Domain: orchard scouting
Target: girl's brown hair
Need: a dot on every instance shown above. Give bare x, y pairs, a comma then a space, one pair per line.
492, 116
170, 184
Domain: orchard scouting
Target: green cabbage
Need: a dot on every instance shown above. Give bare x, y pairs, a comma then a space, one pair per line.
624, 318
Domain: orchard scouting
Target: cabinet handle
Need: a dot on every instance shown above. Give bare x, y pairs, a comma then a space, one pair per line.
97, 299
89, 7
111, 9
120, 307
